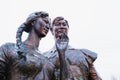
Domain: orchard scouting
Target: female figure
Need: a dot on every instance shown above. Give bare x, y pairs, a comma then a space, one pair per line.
23, 61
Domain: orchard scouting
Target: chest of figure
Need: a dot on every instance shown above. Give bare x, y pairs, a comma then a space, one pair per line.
26, 68
73, 57
78, 66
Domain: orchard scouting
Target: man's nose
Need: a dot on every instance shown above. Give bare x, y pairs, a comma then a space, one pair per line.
61, 26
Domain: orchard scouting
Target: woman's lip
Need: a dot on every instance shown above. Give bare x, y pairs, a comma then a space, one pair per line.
45, 30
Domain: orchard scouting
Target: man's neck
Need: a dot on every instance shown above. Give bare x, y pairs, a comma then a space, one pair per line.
32, 41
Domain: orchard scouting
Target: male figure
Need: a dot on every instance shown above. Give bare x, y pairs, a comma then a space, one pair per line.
70, 63
23, 61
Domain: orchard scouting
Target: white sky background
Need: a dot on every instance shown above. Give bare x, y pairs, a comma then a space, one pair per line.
94, 24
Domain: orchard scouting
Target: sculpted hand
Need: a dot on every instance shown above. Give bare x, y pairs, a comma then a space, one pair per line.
62, 43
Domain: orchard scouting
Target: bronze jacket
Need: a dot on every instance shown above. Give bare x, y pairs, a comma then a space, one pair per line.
80, 63
33, 66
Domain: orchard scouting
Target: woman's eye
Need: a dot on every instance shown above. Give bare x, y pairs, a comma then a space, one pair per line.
64, 24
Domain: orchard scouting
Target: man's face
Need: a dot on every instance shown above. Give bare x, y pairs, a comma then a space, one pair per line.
41, 25
59, 28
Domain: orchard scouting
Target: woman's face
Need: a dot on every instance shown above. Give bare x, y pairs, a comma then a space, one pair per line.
42, 25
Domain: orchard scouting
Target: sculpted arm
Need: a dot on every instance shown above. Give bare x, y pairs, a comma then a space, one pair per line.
61, 45
91, 57
93, 73
3, 64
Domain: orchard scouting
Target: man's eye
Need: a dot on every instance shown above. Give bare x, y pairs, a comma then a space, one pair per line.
64, 24
57, 24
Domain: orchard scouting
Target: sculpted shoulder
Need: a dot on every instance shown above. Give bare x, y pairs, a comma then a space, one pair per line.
8, 45
8, 50
90, 55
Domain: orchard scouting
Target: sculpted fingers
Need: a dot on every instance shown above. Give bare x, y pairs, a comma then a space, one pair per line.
62, 42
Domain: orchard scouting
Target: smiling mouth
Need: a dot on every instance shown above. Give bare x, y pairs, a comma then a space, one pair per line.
45, 30
61, 32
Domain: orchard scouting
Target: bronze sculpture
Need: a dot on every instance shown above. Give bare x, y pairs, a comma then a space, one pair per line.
70, 63
23, 61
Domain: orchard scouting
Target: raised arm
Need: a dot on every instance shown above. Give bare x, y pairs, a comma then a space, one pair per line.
61, 45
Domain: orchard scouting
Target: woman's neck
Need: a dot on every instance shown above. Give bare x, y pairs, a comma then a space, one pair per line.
33, 40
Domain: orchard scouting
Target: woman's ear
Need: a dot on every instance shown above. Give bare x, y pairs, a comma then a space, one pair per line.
32, 23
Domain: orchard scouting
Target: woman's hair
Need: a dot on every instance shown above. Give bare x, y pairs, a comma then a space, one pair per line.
27, 26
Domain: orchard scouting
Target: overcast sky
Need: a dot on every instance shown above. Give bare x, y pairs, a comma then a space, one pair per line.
94, 25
